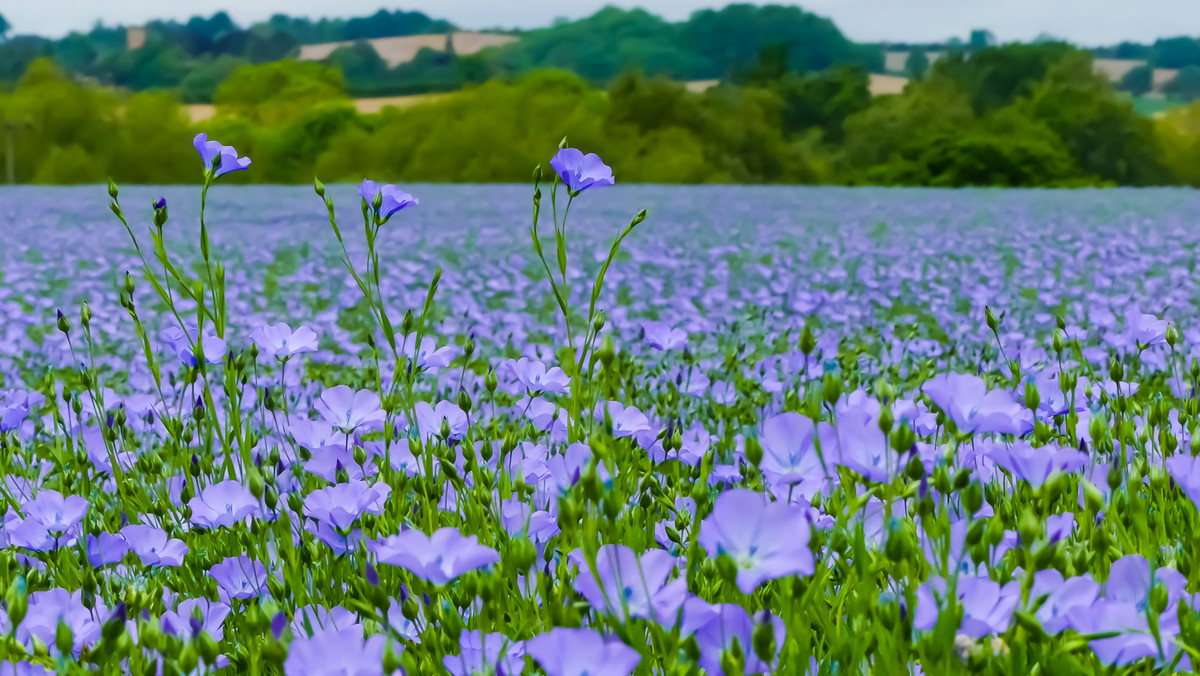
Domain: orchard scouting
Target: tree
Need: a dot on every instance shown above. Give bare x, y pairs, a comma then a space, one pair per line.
1186, 84
1177, 52
4, 28
917, 63
996, 76
1139, 80
980, 39
1107, 137
824, 100
279, 91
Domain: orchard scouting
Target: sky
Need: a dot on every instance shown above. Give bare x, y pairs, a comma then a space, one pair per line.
1086, 22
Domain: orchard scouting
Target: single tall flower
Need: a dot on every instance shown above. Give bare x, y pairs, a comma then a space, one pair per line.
439, 558
210, 150
580, 171
393, 198
766, 540
581, 652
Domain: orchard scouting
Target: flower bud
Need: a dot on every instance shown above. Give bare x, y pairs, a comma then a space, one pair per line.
807, 341
886, 419
17, 601
319, 188
63, 324
764, 640
754, 452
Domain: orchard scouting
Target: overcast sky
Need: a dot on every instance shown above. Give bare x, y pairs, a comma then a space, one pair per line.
1089, 22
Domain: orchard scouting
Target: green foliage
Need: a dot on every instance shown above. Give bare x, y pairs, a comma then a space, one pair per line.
1139, 80
1006, 150
1179, 52
917, 63
1186, 84
1179, 132
996, 76
1107, 137
275, 92
824, 100
1033, 115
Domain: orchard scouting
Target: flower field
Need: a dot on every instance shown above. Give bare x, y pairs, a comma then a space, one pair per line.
532, 429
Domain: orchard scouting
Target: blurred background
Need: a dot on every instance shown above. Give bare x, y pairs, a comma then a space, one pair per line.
1062, 93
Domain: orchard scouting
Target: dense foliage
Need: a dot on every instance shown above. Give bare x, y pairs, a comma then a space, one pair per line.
193, 57
1014, 115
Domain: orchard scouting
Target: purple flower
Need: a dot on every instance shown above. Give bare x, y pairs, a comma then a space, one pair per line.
1185, 469
535, 378
1136, 643
726, 624
1037, 465
210, 150
627, 586
50, 521
346, 409
987, 607
341, 652
790, 454
481, 653
192, 616
767, 540
429, 355
212, 348
48, 608
281, 342
394, 199
341, 505
15, 406
1064, 596
240, 577
153, 547
160, 203
430, 419
580, 171
438, 558
626, 421
662, 337
518, 517
222, 504
581, 652
313, 618
106, 548
967, 401
1145, 330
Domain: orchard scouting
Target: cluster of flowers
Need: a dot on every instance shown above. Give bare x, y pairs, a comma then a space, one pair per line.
373, 492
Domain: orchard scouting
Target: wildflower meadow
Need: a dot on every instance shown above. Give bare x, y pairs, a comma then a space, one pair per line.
496, 431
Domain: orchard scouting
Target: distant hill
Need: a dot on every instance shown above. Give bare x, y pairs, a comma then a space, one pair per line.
392, 53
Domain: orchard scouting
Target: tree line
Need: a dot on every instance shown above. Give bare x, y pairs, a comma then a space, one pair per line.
1010, 115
